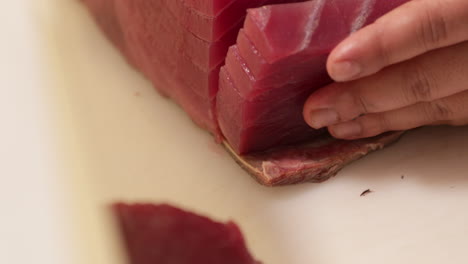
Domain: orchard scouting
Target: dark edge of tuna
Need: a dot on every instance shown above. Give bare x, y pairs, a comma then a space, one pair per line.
313, 162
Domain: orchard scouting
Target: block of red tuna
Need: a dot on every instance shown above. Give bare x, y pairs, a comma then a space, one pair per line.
276, 65
277, 61
162, 234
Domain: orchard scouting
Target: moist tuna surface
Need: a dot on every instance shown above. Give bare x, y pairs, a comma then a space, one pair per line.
275, 66
162, 234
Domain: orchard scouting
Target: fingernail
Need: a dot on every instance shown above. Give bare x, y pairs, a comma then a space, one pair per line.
345, 70
347, 130
323, 118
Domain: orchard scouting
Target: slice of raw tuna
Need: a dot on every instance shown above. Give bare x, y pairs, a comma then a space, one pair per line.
162, 234
168, 37
264, 129
276, 65
170, 57
313, 161
211, 28
222, 30
208, 7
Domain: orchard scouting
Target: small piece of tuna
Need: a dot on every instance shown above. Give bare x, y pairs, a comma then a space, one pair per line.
162, 234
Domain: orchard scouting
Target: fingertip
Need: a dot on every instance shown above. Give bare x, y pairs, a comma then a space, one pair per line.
320, 110
312, 108
346, 130
314, 102
322, 118
307, 112
344, 71
342, 65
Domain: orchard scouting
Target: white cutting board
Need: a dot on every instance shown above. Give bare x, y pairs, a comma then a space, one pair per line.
123, 142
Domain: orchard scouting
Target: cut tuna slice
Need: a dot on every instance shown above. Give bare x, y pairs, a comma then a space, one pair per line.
212, 28
252, 86
314, 26
267, 126
208, 7
197, 106
162, 234
281, 64
202, 82
172, 72
311, 161
169, 38
207, 54
170, 62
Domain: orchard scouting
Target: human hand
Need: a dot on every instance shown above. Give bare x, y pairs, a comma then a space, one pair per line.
408, 69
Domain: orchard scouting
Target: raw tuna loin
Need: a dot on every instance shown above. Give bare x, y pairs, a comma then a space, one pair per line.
273, 58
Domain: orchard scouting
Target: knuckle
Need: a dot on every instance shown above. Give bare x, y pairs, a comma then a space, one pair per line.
433, 28
374, 124
361, 99
362, 103
383, 51
420, 85
352, 102
438, 111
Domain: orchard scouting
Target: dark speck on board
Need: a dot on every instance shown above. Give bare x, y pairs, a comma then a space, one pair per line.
366, 192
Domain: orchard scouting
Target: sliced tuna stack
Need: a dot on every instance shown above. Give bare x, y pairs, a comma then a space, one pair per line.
254, 102
178, 44
278, 61
162, 234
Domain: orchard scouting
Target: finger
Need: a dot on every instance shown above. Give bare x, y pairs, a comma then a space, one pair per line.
459, 122
434, 75
404, 33
450, 110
